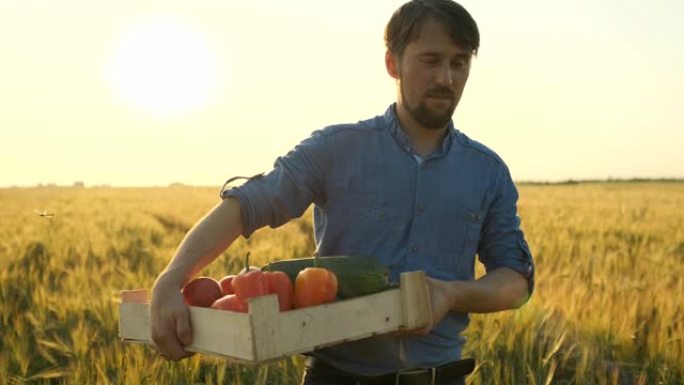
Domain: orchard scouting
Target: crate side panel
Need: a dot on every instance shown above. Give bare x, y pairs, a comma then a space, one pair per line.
134, 321
222, 332
304, 330
215, 332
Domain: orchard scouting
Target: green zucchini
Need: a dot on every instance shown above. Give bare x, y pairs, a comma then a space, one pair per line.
355, 275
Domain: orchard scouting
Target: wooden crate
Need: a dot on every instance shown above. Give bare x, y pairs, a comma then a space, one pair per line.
265, 334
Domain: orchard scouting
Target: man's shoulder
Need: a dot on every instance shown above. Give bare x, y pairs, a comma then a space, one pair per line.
478, 148
363, 127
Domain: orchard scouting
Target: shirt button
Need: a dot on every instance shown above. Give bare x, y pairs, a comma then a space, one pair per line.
415, 249
421, 208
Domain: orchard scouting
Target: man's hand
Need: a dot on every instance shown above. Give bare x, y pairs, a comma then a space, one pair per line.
169, 317
170, 320
499, 289
441, 301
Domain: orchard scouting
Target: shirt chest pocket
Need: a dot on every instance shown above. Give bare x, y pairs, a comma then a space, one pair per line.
365, 224
458, 236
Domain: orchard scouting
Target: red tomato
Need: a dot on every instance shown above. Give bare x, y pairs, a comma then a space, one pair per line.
201, 291
279, 283
230, 302
226, 284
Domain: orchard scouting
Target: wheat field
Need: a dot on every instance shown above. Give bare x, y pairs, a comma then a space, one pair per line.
607, 308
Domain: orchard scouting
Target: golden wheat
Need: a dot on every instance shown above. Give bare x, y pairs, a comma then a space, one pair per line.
606, 307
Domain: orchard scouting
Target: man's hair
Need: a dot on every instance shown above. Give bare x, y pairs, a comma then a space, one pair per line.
407, 22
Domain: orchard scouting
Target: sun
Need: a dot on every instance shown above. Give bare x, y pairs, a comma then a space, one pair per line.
162, 66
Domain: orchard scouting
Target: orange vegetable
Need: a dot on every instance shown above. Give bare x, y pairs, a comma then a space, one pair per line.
315, 286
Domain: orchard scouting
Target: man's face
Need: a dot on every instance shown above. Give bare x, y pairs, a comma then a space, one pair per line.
432, 73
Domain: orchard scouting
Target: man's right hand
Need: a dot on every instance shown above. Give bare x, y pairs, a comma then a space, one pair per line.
169, 316
170, 320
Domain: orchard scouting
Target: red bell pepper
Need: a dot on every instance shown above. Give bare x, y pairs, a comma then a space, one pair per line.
279, 283
250, 284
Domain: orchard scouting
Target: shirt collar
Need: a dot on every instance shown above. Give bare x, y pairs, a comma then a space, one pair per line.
403, 140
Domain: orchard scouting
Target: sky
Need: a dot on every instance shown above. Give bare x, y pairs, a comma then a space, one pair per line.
149, 93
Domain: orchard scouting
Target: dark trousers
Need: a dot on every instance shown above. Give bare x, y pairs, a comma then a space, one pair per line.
318, 372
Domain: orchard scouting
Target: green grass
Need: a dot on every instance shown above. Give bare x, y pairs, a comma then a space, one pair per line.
607, 307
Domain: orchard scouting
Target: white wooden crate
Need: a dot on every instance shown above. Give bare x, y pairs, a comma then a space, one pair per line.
265, 333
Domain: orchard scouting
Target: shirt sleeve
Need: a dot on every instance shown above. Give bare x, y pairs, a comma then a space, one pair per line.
502, 243
297, 180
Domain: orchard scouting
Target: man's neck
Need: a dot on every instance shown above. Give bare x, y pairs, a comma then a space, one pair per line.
423, 140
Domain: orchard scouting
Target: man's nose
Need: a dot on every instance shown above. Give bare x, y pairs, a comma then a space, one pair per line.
445, 76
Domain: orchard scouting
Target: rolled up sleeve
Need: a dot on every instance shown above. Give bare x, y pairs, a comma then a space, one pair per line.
297, 180
502, 243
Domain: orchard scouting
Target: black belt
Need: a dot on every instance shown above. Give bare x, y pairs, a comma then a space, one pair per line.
429, 376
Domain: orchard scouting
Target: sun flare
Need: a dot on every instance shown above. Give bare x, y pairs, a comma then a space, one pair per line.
162, 66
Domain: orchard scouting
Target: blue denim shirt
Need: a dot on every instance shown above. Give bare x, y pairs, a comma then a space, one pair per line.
374, 196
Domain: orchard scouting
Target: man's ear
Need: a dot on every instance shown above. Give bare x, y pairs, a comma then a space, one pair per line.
392, 65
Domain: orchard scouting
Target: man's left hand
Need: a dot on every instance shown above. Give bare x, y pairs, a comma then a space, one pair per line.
441, 298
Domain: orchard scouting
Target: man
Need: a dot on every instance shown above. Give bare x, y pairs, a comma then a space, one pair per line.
406, 187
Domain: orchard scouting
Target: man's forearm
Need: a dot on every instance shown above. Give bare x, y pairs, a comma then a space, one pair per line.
204, 242
500, 289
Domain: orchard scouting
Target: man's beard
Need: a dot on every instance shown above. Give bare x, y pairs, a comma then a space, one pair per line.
424, 116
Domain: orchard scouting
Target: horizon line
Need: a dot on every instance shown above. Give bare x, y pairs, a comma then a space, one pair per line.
568, 181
